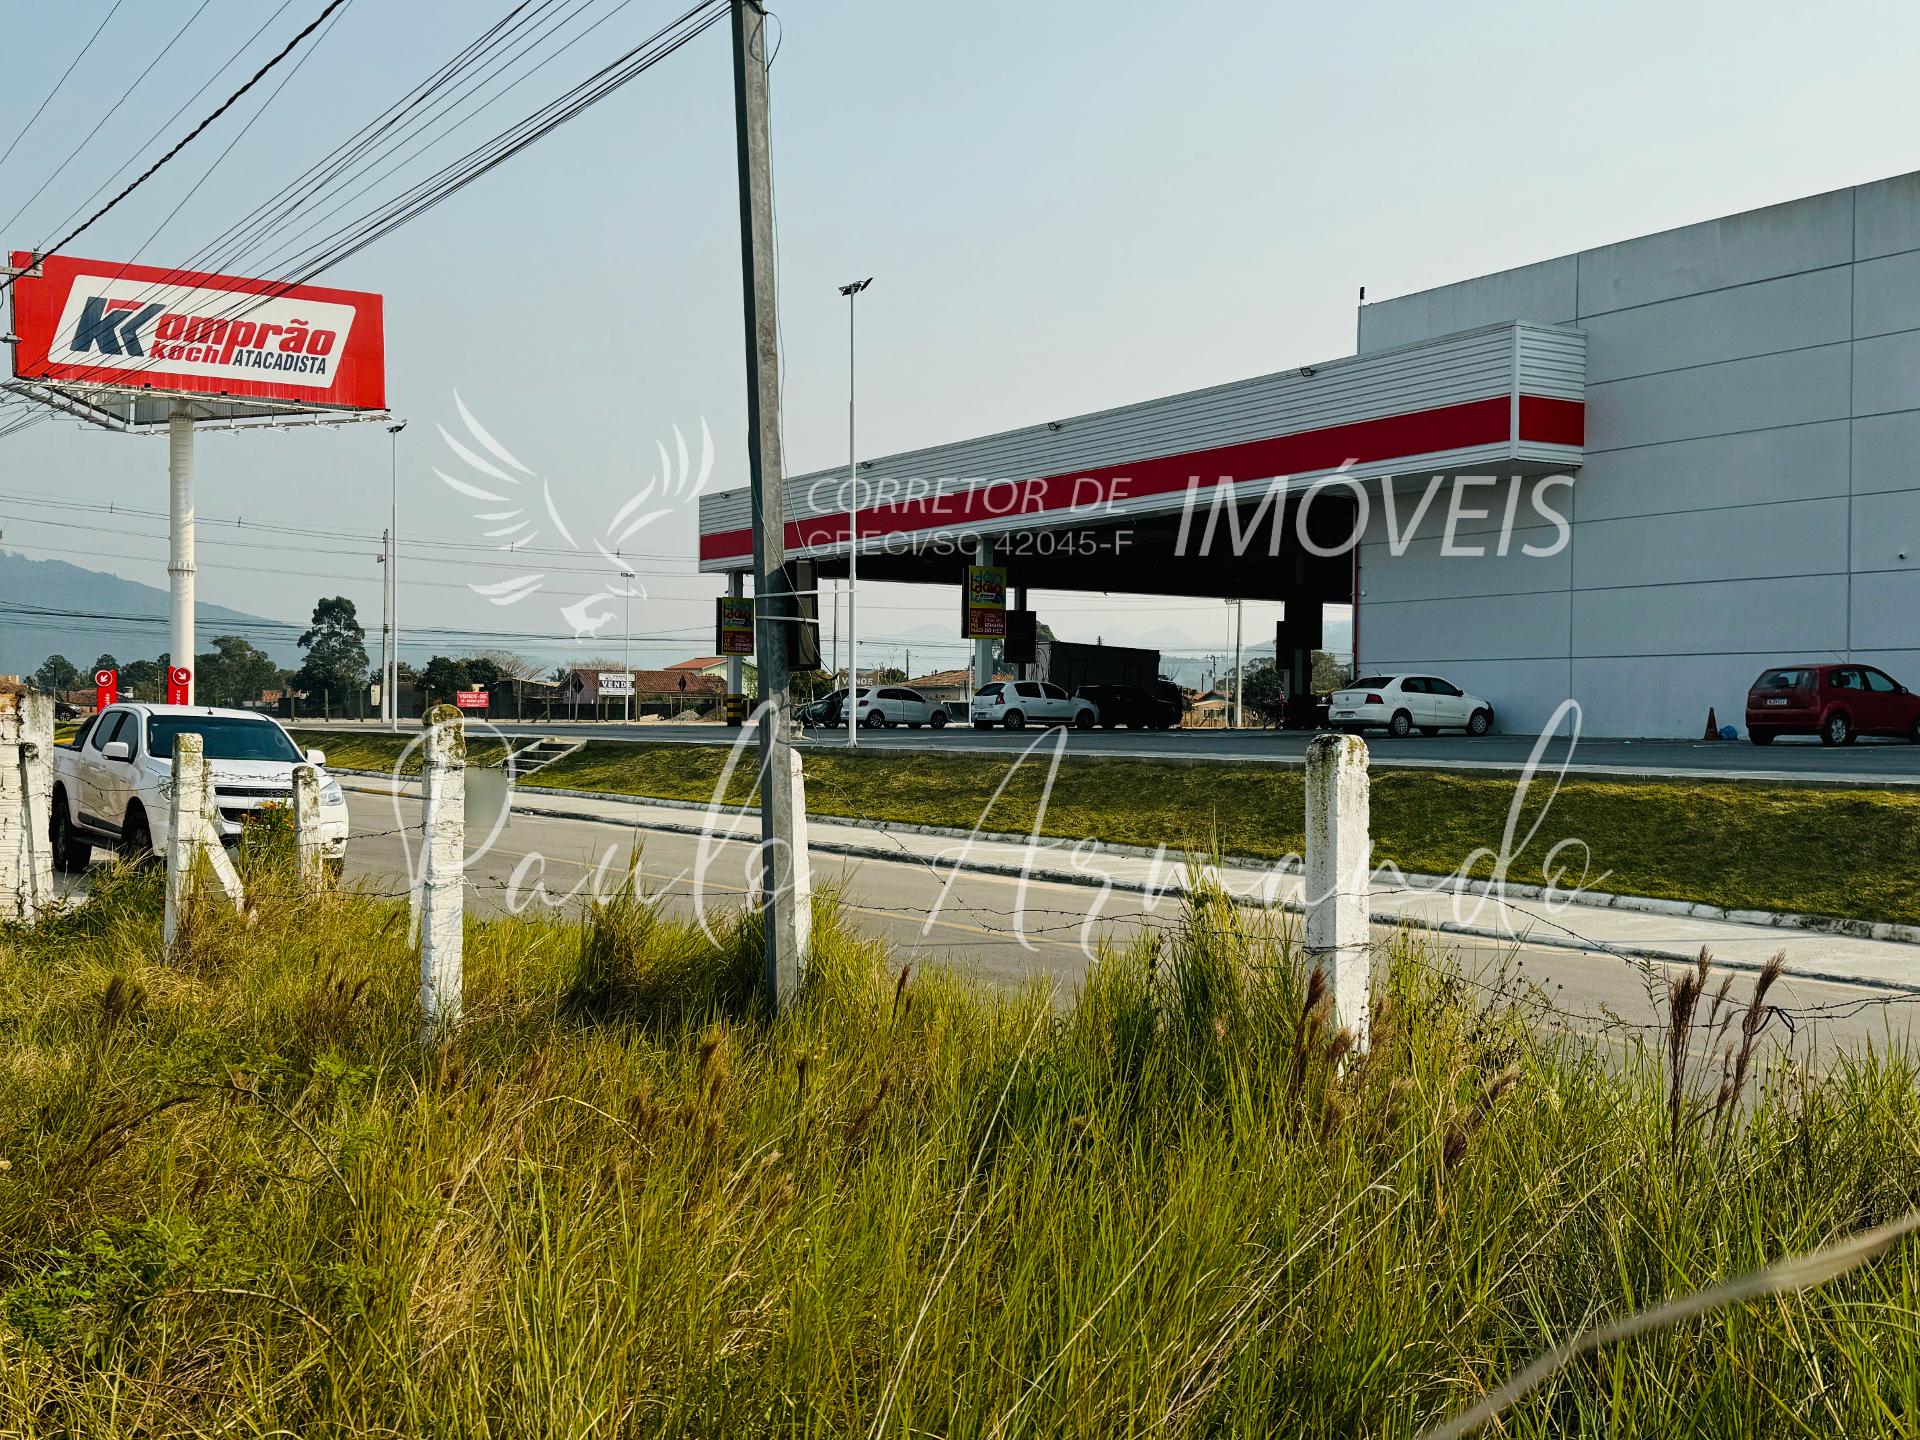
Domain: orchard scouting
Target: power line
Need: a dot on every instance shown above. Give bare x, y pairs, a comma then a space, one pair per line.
162, 128
425, 195
61, 82
112, 110
191, 136
450, 179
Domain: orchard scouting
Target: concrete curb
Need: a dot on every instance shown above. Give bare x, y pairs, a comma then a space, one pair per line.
1898, 934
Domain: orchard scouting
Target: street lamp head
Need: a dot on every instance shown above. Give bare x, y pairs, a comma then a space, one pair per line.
856, 287
396, 427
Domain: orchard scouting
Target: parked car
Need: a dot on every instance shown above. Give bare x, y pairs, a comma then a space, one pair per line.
1401, 704
899, 705
1836, 702
112, 784
1015, 703
825, 713
1134, 706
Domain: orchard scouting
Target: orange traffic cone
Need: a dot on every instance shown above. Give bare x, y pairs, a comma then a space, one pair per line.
1713, 726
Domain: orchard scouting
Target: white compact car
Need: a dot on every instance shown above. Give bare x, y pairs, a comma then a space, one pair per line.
112, 785
1017, 703
1401, 704
899, 705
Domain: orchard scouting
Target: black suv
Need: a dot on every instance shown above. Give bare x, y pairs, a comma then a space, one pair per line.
1134, 706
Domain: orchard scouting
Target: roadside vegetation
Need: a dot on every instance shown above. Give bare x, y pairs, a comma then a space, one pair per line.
373, 750
236, 1197
1804, 850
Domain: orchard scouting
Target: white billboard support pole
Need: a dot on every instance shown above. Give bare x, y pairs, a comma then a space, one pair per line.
180, 567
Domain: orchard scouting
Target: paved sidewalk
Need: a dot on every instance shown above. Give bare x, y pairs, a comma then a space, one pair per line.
1594, 927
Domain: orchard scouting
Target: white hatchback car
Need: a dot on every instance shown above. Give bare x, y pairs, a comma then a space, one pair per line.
1401, 704
1015, 703
899, 705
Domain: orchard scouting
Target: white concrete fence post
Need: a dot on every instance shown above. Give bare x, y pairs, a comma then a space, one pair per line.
306, 828
26, 781
792, 869
1339, 865
193, 836
443, 778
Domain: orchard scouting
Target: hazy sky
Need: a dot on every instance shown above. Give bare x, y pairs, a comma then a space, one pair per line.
1065, 207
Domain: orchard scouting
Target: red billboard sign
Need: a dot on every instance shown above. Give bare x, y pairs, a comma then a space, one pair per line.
146, 327
106, 688
470, 699
179, 685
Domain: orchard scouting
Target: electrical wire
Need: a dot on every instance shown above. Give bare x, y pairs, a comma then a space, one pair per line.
59, 84
348, 240
112, 110
165, 125
190, 137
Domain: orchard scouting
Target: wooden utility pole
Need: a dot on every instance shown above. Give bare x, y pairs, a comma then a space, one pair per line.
784, 894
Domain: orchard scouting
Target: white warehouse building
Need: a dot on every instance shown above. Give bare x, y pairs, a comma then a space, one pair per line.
1708, 438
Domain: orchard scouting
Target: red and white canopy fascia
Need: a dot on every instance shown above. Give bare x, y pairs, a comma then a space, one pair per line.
1503, 400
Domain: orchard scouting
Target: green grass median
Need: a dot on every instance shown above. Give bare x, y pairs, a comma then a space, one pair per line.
1745, 845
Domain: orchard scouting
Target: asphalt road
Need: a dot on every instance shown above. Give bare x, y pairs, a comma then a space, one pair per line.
1869, 762
985, 925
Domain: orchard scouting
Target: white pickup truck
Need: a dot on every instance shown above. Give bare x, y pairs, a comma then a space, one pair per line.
111, 784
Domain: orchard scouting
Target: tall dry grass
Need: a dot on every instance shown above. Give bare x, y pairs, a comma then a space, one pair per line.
239, 1200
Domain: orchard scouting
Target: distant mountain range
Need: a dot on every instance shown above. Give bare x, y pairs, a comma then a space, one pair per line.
48, 607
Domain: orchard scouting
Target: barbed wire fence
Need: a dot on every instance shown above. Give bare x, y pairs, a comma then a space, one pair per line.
1330, 928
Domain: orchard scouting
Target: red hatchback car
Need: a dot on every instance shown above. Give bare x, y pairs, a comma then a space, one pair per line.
1835, 702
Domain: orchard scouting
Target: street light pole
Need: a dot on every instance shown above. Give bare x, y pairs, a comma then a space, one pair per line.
390, 679
853, 530
626, 644
386, 624
1239, 674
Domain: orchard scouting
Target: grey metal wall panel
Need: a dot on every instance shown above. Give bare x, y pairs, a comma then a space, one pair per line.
1542, 294
1886, 373
1886, 452
1391, 523
1887, 216
1756, 467
1885, 607
1758, 245
1886, 295
1799, 387
1443, 631
1804, 537
1773, 315
1800, 613
1661, 695
1421, 571
1886, 535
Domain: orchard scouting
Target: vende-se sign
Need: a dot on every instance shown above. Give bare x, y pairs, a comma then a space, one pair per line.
470, 699
148, 327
